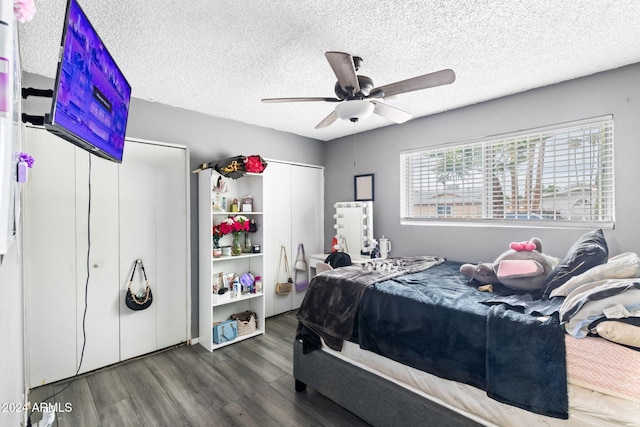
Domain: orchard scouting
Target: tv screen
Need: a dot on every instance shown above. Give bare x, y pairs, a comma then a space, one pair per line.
91, 95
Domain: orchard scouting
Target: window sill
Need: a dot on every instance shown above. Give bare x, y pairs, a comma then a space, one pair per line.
534, 223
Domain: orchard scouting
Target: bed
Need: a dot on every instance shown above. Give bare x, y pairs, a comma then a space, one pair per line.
415, 343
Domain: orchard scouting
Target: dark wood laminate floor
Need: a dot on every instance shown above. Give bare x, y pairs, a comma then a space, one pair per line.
249, 383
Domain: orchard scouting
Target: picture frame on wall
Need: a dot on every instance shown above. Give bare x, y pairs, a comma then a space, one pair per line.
363, 187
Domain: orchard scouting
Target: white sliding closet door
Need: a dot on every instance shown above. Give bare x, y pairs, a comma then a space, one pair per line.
56, 211
50, 254
294, 213
139, 209
307, 220
137, 241
172, 244
152, 228
277, 232
102, 327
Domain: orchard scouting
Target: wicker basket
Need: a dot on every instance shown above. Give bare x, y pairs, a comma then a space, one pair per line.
247, 327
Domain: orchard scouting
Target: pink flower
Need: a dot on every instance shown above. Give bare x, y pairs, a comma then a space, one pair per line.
24, 10
254, 164
233, 224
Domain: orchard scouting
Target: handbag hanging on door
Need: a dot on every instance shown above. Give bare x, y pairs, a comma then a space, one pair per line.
301, 273
283, 288
141, 300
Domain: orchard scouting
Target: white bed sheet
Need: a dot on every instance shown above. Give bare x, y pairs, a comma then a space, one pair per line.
586, 407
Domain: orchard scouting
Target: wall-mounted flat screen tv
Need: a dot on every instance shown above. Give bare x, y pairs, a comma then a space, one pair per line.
91, 95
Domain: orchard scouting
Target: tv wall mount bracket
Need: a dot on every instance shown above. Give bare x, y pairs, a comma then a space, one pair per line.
43, 93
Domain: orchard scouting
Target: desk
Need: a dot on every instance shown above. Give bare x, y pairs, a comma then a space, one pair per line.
316, 258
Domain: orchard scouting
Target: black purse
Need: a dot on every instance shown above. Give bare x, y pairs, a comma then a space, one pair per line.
141, 300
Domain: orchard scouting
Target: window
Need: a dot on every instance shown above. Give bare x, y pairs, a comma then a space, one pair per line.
556, 174
443, 210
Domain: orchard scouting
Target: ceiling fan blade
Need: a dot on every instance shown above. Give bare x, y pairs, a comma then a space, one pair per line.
344, 69
307, 99
439, 78
392, 113
327, 120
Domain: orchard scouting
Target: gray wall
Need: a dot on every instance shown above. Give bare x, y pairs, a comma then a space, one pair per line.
614, 92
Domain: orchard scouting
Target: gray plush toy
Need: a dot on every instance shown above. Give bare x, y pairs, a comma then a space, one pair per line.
523, 267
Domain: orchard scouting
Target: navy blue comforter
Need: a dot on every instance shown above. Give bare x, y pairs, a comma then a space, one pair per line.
436, 321
431, 320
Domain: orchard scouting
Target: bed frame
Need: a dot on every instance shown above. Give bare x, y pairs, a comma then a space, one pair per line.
376, 400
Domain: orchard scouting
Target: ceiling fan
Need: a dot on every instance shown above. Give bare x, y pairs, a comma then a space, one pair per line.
357, 97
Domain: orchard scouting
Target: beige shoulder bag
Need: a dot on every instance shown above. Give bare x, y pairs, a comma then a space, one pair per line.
283, 288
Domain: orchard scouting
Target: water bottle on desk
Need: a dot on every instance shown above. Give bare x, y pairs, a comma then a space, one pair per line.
385, 247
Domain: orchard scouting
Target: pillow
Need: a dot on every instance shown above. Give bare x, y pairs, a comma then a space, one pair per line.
619, 332
587, 252
622, 266
580, 310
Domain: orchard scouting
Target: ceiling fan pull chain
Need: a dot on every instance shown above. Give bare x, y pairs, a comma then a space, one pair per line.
355, 145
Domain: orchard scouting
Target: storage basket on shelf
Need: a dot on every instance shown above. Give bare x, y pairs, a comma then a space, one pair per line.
247, 322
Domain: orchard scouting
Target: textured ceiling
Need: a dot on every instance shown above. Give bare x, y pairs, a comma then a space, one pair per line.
221, 57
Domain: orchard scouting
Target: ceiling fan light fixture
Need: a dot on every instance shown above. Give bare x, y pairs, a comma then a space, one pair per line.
354, 110
358, 97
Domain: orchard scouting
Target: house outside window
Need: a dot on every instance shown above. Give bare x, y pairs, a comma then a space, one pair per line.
443, 210
554, 176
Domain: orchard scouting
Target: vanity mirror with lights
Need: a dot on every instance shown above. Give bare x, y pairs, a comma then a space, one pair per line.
354, 227
354, 232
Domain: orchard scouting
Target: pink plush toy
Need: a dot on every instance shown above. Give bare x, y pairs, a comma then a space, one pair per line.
522, 267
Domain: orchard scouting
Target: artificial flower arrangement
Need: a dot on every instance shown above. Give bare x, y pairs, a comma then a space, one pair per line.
236, 167
24, 10
217, 235
254, 164
235, 224
25, 162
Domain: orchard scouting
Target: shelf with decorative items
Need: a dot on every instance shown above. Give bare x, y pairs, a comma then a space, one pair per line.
235, 233
231, 258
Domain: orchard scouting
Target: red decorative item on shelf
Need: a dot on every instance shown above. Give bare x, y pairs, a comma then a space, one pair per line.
235, 167
217, 235
254, 164
234, 224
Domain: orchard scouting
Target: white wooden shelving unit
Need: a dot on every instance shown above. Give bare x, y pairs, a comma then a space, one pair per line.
215, 308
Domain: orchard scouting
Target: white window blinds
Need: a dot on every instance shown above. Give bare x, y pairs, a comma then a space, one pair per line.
559, 173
